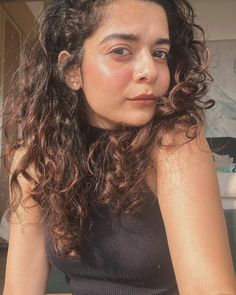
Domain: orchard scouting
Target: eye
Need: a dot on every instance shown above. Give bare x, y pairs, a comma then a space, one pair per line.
120, 51
161, 54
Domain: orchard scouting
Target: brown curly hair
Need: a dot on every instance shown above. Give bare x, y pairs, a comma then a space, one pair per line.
70, 182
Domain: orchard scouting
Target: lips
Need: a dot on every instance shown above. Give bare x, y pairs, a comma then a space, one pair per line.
143, 100
143, 97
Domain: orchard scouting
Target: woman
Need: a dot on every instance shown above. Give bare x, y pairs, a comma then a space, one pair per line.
112, 180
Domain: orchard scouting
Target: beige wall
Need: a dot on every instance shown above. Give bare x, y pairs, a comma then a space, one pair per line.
218, 18
21, 14
16, 21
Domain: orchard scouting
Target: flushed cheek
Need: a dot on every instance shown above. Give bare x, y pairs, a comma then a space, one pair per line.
109, 75
122, 76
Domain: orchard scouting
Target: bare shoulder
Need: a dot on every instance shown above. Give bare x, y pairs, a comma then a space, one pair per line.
190, 203
180, 151
185, 168
177, 155
25, 208
180, 137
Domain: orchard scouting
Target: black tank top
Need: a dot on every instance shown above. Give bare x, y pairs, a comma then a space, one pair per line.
128, 255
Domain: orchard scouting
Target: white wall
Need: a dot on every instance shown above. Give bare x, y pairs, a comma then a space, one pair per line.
35, 7
218, 17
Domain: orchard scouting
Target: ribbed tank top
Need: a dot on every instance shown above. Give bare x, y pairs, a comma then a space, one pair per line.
128, 255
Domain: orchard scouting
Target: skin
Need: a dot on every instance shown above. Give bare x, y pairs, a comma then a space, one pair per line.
191, 207
186, 186
120, 69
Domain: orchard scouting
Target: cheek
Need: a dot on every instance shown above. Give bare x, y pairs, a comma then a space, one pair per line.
123, 75
101, 74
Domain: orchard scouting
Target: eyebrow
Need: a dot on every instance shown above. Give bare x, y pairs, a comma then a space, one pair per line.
132, 37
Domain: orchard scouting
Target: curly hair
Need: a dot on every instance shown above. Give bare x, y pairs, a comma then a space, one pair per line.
70, 182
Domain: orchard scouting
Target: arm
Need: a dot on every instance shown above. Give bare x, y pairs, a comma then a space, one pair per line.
27, 265
190, 203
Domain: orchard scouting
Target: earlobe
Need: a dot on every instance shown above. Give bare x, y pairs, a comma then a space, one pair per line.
73, 75
73, 78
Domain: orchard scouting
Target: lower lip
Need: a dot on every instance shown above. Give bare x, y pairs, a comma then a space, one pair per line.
143, 102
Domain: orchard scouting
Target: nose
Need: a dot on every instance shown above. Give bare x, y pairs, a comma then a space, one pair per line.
145, 69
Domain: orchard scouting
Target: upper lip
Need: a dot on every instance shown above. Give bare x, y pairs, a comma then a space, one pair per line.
144, 97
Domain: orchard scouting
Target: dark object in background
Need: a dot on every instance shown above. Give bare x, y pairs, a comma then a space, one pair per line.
223, 146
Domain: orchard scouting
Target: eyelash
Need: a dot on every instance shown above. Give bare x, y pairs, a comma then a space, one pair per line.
114, 51
163, 52
166, 54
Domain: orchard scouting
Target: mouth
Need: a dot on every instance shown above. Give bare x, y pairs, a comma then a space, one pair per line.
143, 100
143, 97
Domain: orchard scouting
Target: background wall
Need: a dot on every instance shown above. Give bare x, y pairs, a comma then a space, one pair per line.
217, 17
16, 21
21, 15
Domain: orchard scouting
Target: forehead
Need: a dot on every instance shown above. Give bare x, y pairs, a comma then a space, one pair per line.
134, 16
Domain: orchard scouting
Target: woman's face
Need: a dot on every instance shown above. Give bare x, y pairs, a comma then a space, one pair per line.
125, 69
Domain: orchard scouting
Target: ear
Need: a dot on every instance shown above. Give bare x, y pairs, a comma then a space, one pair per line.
73, 75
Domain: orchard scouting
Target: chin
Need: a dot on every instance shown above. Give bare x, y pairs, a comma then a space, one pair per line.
139, 123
